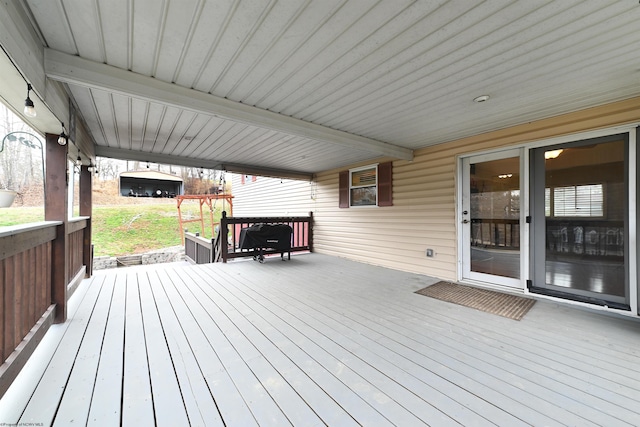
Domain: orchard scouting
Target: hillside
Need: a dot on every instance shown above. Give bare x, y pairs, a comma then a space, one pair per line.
123, 225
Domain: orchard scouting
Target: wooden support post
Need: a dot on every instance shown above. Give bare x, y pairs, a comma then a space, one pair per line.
55, 209
224, 234
86, 206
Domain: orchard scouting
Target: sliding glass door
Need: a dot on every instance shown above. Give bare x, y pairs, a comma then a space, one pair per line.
580, 221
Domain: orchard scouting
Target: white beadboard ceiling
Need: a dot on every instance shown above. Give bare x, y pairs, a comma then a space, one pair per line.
308, 85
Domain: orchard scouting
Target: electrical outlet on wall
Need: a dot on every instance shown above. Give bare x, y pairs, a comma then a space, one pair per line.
431, 253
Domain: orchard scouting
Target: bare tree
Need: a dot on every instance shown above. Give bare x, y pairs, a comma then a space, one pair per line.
21, 157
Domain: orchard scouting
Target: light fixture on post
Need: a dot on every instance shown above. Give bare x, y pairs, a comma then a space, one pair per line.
77, 165
92, 168
29, 108
62, 139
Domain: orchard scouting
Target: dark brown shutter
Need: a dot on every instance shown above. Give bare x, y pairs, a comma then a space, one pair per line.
385, 184
343, 189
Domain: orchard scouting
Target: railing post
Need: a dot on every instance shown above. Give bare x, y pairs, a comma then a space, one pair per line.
86, 206
310, 237
55, 209
224, 233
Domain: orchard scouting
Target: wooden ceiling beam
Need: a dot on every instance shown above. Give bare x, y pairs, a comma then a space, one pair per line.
74, 70
169, 159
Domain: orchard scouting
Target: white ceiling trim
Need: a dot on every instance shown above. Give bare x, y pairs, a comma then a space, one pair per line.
74, 70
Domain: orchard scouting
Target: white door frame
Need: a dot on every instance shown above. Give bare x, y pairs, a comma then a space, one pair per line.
464, 228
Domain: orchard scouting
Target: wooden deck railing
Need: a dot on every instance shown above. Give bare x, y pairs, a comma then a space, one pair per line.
197, 249
226, 244
76, 251
301, 239
496, 233
30, 296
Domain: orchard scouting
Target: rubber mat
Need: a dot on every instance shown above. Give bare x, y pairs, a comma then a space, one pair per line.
511, 306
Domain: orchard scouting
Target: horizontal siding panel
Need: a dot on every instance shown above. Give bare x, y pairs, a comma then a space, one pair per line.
438, 269
271, 196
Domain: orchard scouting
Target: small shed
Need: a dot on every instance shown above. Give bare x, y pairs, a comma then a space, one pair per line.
150, 184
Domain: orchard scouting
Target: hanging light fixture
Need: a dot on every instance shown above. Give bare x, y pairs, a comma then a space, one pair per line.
29, 108
79, 161
92, 167
62, 139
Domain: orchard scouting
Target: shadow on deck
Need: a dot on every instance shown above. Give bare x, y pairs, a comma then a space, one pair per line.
318, 340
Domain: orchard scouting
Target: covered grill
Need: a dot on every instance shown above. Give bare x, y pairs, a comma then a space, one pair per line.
259, 237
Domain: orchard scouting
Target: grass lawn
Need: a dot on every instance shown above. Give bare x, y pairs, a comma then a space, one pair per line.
126, 229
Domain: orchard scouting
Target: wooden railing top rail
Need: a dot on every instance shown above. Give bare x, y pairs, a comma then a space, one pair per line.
20, 228
77, 224
79, 218
201, 240
269, 219
20, 238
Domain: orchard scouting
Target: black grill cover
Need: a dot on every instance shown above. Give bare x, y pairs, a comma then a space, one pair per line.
275, 236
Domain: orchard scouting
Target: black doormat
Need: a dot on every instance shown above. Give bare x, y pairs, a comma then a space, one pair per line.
505, 305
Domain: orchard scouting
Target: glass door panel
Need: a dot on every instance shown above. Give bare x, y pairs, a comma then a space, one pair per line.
581, 251
491, 219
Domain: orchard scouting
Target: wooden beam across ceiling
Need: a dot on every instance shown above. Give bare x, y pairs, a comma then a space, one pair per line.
74, 70
119, 153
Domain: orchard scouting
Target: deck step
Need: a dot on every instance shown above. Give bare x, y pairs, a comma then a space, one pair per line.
129, 260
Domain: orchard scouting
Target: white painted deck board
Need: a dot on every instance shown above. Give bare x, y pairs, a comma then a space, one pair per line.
582, 405
137, 401
318, 340
354, 375
200, 406
327, 338
106, 400
45, 400
494, 372
278, 386
205, 344
76, 400
236, 357
453, 408
395, 369
165, 389
536, 350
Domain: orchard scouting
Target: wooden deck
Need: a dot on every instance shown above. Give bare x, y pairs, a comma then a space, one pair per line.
318, 340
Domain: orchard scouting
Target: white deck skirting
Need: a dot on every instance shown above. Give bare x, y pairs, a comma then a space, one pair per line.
314, 341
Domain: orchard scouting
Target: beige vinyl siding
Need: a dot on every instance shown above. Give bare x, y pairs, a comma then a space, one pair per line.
423, 214
271, 197
395, 236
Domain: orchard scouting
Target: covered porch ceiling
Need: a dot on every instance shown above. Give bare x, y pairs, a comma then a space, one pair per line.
295, 87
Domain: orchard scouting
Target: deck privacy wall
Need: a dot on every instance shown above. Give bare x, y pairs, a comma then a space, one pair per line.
424, 197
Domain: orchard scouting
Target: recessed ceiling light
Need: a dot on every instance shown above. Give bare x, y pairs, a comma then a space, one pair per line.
481, 98
553, 154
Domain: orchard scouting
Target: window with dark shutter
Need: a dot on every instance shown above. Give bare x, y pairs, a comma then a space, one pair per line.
366, 186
